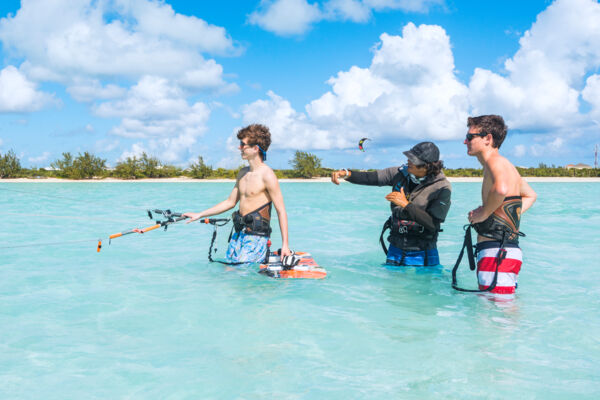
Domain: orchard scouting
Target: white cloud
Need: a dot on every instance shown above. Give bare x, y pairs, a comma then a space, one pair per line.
410, 91
405, 5
352, 10
155, 108
295, 17
88, 90
137, 149
84, 39
41, 158
545, 145
520, 150
540, 90
19, 94
591, 94
97, 48
158, 112
290, 129
286, 17
157, 19
556, 144
106, 145
169, 150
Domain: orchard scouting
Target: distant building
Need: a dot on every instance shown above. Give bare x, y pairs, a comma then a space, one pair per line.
578, 166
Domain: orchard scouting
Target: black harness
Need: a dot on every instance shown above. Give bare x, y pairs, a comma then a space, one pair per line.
400, 227
468, 245
252, 223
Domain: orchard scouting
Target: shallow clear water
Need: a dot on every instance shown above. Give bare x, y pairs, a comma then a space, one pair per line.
149, 318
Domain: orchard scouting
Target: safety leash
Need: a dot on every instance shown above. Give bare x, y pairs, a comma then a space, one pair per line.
468, 245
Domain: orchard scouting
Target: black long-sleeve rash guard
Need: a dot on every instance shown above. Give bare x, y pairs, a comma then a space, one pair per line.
430, 218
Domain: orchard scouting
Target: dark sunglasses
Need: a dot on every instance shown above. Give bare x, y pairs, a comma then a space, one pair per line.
242, 144
470, 136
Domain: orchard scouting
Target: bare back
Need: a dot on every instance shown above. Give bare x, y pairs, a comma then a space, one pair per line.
252, 190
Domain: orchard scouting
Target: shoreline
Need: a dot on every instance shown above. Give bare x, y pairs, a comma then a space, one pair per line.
286, 180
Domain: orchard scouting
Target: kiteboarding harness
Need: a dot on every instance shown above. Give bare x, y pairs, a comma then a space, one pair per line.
504, 233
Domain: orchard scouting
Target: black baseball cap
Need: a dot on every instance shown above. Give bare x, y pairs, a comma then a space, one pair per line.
423, 153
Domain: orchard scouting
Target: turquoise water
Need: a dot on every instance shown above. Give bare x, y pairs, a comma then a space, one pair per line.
149, 318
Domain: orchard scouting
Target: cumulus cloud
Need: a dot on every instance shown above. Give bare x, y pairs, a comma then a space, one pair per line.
520, 150
549, 147
19, 94
410, 91
135, 60
286, 17
347, 10
41, 158
158, 111
540, 88
290, 129
591, 94
405, 5
108, 144
169, 150
295, 17
73, 40
88, 90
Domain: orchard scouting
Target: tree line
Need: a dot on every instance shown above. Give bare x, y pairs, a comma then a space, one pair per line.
303, 165
88, 166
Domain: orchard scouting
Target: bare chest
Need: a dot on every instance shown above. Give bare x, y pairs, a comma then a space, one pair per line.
251, 185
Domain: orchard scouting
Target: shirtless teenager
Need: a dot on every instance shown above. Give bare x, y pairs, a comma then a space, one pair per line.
256, 188
505, 196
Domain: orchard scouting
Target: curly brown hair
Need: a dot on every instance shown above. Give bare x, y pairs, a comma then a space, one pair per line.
257, 134
492, 124
434, 168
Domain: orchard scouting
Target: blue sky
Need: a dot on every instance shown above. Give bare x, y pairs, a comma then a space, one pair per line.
176, 79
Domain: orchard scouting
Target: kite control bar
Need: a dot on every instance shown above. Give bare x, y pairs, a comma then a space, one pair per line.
169, 218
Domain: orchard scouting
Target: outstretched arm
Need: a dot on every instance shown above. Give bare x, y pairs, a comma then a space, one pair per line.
223, 206
272, 185
528, 195
380, 177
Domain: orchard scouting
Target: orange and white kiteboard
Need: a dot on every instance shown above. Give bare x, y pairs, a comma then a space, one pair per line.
304, 267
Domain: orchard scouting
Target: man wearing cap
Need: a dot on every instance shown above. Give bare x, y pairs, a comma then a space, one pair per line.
419, 201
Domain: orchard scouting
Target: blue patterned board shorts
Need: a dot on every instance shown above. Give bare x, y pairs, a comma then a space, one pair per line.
245, 248
412, 258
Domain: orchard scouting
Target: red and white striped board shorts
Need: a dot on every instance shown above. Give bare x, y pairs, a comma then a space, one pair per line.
508, 270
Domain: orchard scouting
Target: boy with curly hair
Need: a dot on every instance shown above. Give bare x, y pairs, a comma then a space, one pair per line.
256, 189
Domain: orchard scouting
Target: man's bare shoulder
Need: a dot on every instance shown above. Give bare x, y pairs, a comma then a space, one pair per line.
242, 172
267, 173
498, 162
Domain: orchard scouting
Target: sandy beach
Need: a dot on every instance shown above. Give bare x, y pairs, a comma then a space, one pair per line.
191, 180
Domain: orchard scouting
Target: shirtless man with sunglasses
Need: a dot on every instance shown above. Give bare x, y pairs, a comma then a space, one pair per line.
505, 196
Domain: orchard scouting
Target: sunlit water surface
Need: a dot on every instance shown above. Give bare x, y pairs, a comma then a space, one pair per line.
149, 318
